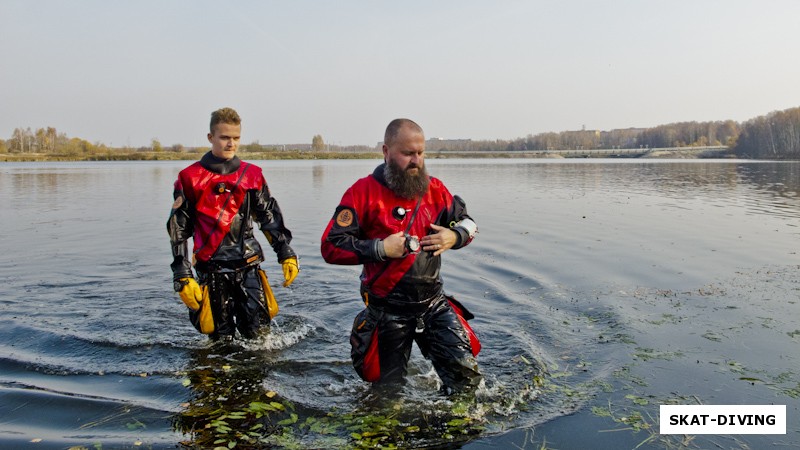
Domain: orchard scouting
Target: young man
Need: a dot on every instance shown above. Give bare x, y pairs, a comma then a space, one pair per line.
397, 222
216, 200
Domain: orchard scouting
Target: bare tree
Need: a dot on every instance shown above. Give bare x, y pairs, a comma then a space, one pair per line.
317, 144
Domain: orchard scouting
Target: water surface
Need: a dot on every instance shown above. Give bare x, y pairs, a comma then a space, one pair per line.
601, 289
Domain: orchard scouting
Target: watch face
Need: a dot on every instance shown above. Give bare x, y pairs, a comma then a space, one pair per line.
412, 243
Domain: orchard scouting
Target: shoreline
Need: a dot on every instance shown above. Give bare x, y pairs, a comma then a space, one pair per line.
674, 153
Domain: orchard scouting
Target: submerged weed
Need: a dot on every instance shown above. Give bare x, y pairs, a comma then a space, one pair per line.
647, 354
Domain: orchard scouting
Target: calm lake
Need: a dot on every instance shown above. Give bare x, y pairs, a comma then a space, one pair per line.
601, 289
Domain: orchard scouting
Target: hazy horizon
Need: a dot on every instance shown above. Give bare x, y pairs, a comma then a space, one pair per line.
124, 73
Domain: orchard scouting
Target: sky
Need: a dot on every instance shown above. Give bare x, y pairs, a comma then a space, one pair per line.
122, 73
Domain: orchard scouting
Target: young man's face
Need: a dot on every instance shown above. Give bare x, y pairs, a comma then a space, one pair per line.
225, 140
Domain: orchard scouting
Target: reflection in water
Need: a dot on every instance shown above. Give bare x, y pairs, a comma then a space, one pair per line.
233, 403
779, 184
229, 405
727, 182
781, 178
318, 175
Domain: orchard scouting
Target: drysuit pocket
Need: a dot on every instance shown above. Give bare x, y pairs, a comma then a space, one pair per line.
463, 316
364, 344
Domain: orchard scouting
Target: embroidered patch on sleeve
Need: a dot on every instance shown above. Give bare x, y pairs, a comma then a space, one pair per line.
344, 218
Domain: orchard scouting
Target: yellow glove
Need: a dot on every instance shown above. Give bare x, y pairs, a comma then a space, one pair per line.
190, 293
290, 270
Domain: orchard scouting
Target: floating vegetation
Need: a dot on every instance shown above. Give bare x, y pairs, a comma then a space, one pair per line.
231, 409
632, 420
711, 336
666, 318
793, 392
647, 354
264, 424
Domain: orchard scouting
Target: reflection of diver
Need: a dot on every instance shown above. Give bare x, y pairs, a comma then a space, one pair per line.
224, 379
230, 404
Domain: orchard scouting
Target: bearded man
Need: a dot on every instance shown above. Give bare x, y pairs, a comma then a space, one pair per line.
397, 222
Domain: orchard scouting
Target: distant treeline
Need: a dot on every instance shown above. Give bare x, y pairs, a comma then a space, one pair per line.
46, 144
684, 134
773, 136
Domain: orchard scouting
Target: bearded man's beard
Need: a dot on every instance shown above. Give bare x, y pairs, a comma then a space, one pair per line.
402, 183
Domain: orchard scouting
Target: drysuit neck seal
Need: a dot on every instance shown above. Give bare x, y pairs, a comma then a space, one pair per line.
219, 165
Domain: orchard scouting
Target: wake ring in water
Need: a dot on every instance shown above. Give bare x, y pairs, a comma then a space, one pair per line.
280, 335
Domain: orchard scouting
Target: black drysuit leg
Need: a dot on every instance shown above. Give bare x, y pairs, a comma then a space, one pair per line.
443, 341
237, 302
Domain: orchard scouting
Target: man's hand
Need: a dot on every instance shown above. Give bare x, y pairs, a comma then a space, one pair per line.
290, 270
191, 294
394, 245
443, 239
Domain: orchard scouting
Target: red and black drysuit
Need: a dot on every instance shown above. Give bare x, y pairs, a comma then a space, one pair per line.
215, 200
404, 297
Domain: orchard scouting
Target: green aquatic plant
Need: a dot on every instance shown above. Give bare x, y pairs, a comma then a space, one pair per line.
793, 392
225, 414
647, 354
631, 419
